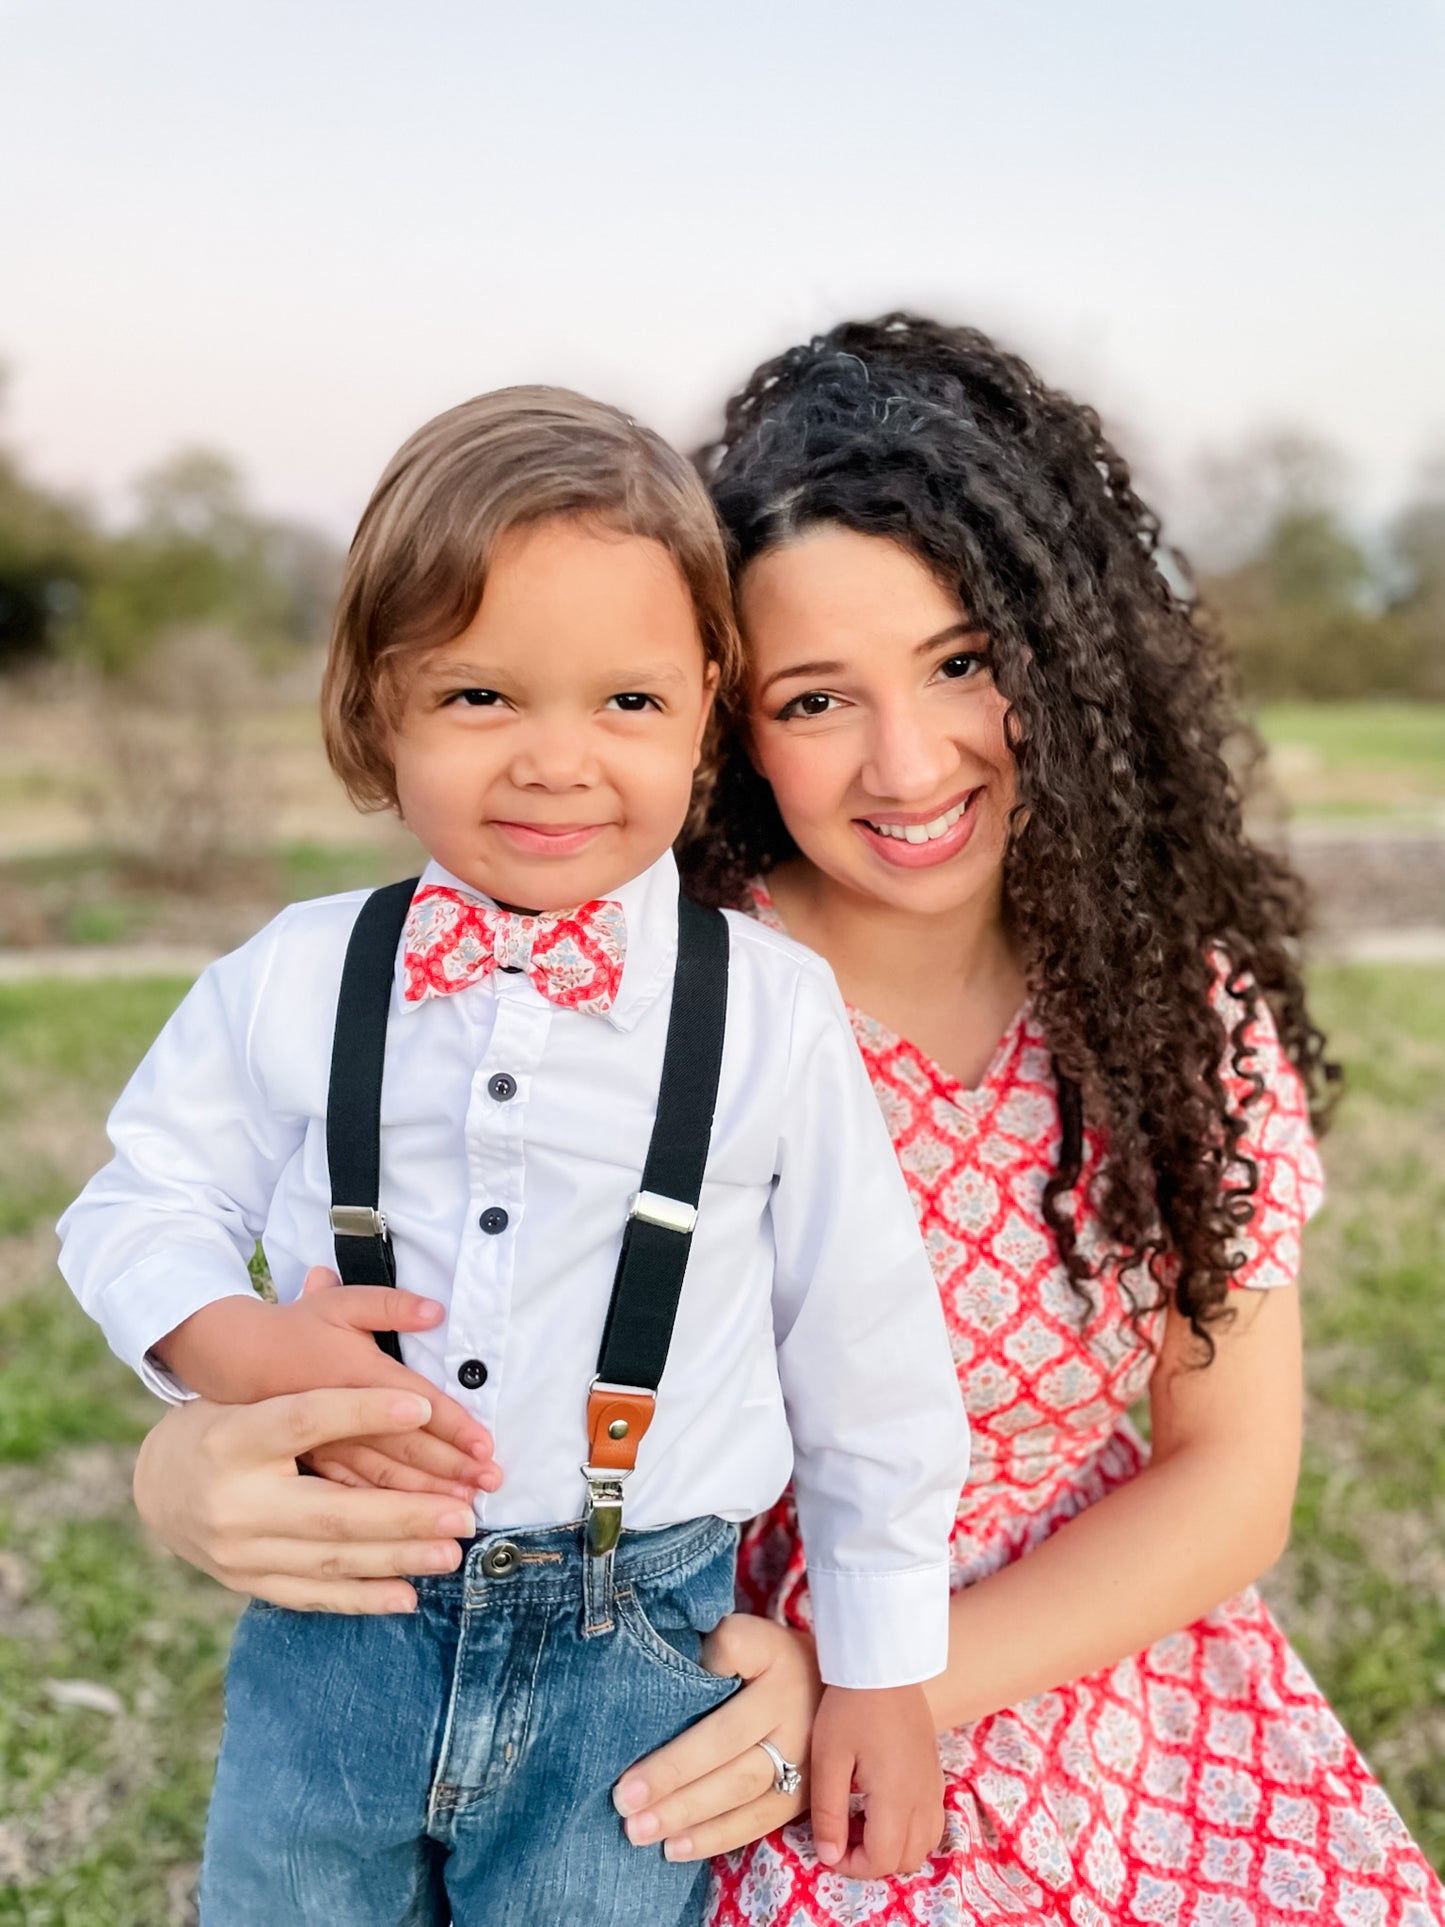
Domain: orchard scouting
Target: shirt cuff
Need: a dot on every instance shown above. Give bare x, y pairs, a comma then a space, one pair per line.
143, 1304
880, 1628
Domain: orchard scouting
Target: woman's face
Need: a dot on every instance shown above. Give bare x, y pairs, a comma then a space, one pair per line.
874, 716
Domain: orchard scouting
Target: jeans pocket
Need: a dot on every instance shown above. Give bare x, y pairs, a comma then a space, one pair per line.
675, 1650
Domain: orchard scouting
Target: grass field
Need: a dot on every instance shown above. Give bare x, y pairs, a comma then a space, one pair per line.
1382, 760
101, 1803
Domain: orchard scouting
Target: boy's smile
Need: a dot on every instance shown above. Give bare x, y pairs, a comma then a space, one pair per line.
546, 754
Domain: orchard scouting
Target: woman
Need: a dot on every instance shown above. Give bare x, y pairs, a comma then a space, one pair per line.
981, 769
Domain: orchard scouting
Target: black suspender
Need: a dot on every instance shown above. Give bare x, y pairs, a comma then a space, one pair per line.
658, 1232
353, 1101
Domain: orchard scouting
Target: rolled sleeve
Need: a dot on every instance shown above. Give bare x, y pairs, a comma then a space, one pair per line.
873, 1400
873, 1625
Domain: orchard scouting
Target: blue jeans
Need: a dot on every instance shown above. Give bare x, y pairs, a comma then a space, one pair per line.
456, 1763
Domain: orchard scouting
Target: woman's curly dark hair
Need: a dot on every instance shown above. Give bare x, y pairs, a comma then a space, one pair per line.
1129, 881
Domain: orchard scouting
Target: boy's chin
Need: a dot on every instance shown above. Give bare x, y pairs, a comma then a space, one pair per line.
548, 887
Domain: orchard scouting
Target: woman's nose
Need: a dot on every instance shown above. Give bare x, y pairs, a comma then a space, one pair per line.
908, 757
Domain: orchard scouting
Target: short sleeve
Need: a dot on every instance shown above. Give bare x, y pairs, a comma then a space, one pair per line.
1278, 1142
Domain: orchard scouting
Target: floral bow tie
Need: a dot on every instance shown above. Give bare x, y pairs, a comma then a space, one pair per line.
574, 957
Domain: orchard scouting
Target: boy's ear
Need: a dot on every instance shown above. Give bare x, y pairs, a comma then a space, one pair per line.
710, 678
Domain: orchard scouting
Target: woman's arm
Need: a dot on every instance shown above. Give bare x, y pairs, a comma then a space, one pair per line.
1207, 1515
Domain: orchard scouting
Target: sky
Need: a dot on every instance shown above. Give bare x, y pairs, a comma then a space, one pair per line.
293, 229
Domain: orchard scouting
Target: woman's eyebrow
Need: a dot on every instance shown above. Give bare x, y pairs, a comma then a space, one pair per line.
950, 634
800, 669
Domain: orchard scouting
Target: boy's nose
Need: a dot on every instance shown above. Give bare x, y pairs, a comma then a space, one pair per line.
553, 759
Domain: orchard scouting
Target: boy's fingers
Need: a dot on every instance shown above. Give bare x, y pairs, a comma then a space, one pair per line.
885, 1829
318, 1510
383, 1308
319, 1279
361, 1464
297, 1422
832, 1783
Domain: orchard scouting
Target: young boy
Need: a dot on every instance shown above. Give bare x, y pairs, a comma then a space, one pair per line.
534, 623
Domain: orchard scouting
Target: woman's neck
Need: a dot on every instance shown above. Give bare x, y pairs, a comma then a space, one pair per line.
949, 982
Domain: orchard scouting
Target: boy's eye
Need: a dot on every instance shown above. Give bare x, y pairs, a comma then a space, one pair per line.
812, 702
632, 701
476, 698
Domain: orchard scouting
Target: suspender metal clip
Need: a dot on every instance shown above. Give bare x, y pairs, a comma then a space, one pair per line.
358, 1221
617, 1417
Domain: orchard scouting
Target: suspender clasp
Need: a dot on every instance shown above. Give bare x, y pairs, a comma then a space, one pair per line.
358, 1221
617, 1417
672, 1214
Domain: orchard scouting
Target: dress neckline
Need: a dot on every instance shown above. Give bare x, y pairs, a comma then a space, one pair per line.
877, 1037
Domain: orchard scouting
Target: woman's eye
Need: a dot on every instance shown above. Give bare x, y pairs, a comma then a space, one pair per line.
632, 702
812, 702
476, 698
959, 668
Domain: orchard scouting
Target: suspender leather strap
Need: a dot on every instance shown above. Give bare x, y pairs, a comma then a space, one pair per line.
353, 1105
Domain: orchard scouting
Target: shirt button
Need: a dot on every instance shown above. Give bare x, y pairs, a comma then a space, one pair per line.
472, 1373
493, 1220
502, 1087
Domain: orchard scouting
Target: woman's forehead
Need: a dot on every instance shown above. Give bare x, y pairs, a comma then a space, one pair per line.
838, 584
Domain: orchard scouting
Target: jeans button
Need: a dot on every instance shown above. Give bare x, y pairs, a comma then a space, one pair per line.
501, 1560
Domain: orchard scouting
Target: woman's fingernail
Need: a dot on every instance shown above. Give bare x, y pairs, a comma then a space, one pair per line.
678, 1849
410, 1409
643, 1826
461, 1525
441, 1558
629, 1796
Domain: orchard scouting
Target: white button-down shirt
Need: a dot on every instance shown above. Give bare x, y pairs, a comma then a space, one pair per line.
809, 1339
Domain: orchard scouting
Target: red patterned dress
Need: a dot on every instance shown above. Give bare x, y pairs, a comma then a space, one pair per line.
1202, 1783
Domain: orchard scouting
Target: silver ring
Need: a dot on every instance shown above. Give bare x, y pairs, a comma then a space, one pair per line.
787, 1778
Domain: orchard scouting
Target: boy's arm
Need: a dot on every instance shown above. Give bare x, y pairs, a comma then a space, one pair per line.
880, 1440
872, 1394
171, 1222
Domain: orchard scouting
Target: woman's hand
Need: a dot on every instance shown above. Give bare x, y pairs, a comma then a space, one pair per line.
219, 1485
711, 1789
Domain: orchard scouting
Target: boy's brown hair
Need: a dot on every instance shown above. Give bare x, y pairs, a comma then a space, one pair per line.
418, 563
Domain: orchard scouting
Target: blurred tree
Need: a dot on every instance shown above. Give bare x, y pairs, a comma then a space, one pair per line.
1300, 597
198, 556
46, 561
1417, 547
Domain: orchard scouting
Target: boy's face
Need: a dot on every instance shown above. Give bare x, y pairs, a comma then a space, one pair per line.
545, 755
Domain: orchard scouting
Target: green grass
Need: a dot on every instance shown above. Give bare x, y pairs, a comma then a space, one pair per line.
108, 1810
1383, 735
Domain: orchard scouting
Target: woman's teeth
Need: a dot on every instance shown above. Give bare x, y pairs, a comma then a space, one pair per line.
922, 832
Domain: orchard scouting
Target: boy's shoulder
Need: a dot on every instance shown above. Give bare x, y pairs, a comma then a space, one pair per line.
773, 959
304, 937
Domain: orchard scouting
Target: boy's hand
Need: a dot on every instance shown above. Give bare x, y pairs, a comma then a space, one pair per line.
239, 1350
883, 1742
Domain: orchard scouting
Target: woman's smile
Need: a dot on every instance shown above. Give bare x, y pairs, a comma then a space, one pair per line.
915, 839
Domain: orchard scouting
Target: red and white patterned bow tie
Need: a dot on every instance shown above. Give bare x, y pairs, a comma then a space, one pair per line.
574, 957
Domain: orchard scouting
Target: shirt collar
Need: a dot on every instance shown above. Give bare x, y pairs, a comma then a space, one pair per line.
649, 903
